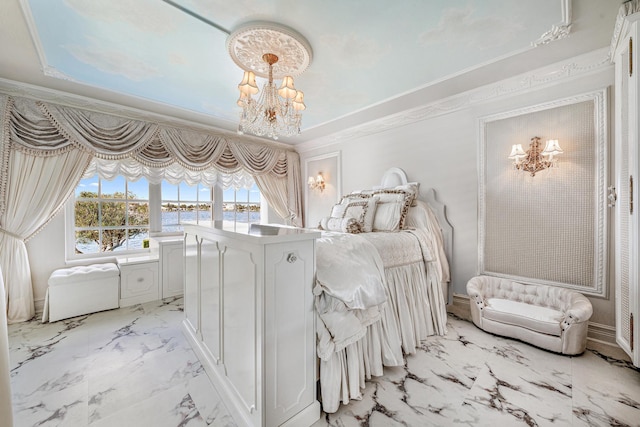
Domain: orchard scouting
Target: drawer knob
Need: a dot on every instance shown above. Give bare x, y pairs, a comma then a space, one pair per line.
291, 258
140, 279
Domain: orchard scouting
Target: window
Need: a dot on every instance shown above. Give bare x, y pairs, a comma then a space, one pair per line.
116, 216
110, 215
241, 207
185, 203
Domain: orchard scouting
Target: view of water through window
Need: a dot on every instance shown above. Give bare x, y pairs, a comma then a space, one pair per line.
113, 216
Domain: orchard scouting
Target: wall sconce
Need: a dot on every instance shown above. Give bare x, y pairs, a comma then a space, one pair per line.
535, 160
317, 183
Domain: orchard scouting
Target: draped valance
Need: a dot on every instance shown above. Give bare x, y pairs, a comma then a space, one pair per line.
135, 148
45, 129
45, 149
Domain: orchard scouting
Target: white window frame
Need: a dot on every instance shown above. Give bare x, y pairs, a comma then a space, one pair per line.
70, 227
155, 220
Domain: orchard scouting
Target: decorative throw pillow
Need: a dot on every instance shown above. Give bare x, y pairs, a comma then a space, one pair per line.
364, 210
392, 209
413, 188
344, 225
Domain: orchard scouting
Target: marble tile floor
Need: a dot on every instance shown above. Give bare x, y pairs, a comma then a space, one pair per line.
134, 367
126, 367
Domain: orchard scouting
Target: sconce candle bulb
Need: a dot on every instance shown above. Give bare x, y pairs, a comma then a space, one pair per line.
534, 160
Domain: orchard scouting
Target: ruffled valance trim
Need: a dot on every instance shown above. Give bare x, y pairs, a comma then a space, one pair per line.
173, 173
44, 129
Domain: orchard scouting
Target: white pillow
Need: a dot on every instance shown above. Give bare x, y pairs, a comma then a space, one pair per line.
338, 210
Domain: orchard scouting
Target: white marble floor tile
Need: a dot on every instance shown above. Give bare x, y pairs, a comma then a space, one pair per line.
115, 367
170, 408
472, 378
134, 367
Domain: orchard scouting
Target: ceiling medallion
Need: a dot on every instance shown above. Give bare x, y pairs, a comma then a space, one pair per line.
269, 51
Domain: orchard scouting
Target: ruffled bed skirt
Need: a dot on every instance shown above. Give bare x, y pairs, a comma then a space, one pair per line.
415, 310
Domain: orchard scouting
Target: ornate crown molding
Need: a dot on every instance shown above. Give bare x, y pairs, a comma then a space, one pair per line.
628, 8
553, 74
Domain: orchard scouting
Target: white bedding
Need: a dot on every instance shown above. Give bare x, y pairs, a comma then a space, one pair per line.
377, 296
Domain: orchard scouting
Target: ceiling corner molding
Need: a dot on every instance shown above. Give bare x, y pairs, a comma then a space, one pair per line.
537, 79
50, 71
560, 30
626, 9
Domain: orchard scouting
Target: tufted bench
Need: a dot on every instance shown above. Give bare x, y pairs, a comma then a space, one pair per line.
81, 290
548, 317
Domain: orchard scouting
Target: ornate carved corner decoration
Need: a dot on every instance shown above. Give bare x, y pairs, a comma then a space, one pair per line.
560, 30
628, 8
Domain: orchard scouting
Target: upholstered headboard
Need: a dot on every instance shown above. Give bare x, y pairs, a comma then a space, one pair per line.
396, 176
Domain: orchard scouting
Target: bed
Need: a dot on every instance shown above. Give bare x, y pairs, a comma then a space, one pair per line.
381, 283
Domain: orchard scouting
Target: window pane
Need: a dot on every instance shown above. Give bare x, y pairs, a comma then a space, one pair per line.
139, 189
242, 195
87, 242
113, 189
169, 216
88, 187
204, 193
171, 228
169, 191
113, 214
188, 213
138, 213
113, 239
86, 214
254, 194
136, 236
228, 195
188, 192
254, 213
204, 212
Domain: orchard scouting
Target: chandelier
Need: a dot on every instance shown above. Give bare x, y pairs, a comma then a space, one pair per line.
273, 52
534, 160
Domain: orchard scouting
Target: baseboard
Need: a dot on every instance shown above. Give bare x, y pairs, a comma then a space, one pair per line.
39, 306
601, 338
460, 306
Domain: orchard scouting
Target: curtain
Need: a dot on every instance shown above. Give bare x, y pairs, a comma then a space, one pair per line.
46, 148
5, 377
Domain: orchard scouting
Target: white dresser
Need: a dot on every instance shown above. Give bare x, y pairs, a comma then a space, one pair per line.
249, 316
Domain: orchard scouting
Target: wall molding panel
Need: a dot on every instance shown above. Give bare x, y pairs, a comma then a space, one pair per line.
550, 229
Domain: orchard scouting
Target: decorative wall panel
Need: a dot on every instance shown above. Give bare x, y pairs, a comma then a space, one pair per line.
549, 228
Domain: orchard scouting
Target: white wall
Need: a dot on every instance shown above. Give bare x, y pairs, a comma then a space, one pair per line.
439, 152
442, 152
46, 253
